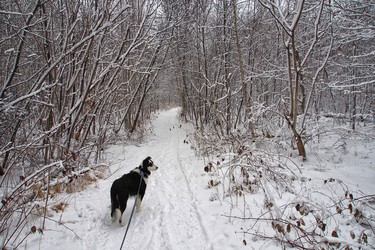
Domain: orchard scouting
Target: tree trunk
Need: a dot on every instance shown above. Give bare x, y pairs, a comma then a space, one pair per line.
245, 99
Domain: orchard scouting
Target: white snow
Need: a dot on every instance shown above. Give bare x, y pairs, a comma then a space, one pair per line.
9, 50
177, 211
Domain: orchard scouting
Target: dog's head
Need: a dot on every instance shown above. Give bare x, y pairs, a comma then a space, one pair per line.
148, 164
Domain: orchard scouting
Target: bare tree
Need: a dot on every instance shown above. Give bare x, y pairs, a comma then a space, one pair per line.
72, 71
288, 18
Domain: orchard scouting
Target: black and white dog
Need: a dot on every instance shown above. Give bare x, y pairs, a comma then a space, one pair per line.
127, 186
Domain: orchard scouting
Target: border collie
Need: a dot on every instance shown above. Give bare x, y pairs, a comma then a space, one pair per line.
127, 186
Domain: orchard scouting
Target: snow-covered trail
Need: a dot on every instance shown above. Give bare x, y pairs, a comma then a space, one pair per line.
170, 217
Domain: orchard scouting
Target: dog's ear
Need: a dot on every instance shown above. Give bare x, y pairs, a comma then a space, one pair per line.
147, 162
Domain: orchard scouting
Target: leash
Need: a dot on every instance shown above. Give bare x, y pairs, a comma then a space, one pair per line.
131, 215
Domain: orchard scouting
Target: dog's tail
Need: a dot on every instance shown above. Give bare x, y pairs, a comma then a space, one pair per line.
114, 203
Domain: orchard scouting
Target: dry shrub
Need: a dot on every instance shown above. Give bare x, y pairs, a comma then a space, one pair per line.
101, 171
39, 210
59, 207
79, 183
89, 177
57, 188
37, 190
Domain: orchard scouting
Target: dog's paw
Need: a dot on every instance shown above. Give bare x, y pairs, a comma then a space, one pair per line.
122, 223
138, 207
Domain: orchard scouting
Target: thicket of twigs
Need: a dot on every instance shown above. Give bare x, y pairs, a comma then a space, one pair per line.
31, 202
268, 192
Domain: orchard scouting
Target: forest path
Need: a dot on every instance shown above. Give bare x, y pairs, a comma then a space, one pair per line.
169, 218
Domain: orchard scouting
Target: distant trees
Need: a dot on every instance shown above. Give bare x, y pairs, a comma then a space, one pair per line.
76, 72
350, 70
242, 63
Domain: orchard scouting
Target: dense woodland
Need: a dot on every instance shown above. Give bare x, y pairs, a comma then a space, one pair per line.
77, 74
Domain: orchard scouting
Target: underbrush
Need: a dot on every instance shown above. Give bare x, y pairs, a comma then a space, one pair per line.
30, 195
267, 192
26, 207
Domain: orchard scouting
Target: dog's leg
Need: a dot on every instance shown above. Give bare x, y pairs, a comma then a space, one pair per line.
115, 211
116, 215
114, 204
113, 216
138, 203
122, 222
123, 201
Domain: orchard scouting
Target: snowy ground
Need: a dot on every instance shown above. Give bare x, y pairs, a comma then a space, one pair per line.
176, 212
